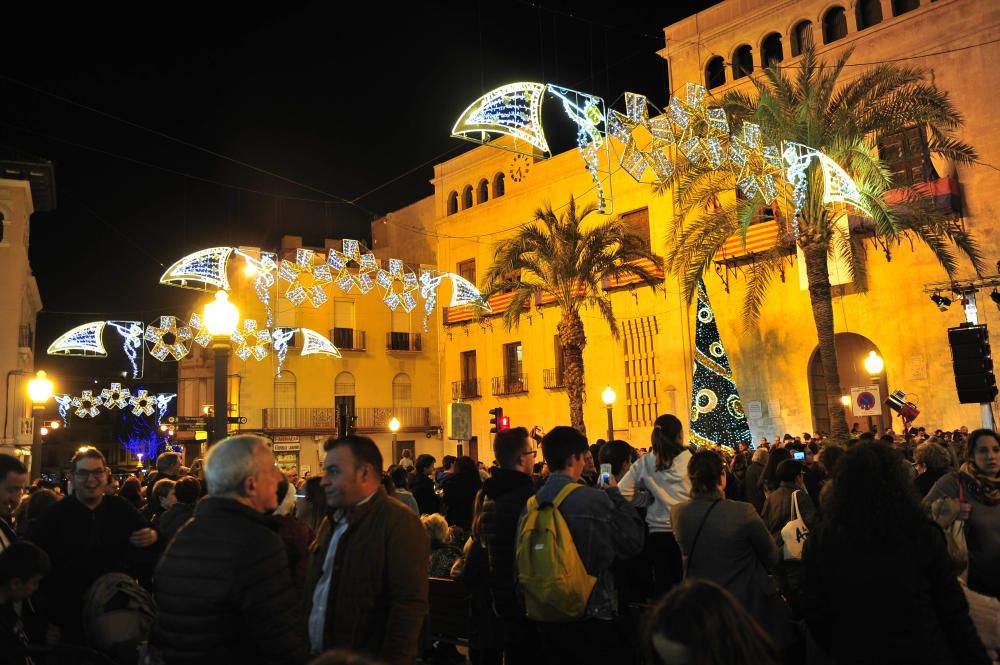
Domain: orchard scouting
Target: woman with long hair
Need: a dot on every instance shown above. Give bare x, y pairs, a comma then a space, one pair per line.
664, 477
879, 586
977, 486
700, 623
775, 457
460, 489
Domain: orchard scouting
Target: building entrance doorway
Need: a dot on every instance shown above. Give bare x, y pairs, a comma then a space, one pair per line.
852, 349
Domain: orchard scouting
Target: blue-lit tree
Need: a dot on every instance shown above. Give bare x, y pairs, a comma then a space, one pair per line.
717, 416
141, 438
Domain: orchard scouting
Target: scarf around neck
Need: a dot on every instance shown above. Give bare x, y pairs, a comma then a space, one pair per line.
985, 489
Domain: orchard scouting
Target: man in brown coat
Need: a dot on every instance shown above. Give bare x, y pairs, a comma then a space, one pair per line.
367, 583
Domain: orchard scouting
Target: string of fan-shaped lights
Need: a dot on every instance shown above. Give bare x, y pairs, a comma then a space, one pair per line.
305, 281
691, 129
89, 403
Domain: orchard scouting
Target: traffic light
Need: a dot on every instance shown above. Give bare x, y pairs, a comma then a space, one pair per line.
497, 420
504, 423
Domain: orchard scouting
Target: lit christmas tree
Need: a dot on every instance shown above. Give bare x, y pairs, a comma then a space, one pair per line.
717, 416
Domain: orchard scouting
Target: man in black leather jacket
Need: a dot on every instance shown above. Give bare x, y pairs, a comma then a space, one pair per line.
507, 491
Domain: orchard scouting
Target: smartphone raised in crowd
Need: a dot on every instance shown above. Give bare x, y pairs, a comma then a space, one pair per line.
605, 474
799, 456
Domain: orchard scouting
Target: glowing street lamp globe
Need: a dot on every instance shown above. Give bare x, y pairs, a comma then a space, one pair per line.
40, 388
43, 431
221, 316
845, 400
394, 425
874, 363
608, 396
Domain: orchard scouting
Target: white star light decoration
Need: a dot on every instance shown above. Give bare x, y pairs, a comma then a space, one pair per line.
758, 164
168, 339
407, 279
142, 403
646, 141
87, 405
116, 396
348, 277
199, 331
305, 278
251, 341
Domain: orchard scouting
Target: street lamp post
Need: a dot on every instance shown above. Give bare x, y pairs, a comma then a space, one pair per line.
39, 391
874, 364
394, 428
608, 397
221, 318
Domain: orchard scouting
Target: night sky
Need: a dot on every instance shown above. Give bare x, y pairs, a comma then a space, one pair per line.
340, 103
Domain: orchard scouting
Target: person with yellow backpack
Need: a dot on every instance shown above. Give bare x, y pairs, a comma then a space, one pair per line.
568, 538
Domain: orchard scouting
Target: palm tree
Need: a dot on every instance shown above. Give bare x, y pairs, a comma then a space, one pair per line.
563, 257
845, 121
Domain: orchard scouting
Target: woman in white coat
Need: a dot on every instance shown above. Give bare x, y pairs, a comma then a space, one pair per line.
663, 475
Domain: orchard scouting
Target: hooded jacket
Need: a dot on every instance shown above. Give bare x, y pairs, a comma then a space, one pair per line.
507, 491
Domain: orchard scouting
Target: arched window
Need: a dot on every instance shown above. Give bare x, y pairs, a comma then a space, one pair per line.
715, 72
343, 384
903, 6
771, 50
498, 185
453, 203
483, 191
401, 390
802, 37
284, 391
742, 62
869, 13
467, 197
834, 24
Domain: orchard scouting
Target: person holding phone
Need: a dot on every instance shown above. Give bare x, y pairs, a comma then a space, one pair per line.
664, 476
777, 513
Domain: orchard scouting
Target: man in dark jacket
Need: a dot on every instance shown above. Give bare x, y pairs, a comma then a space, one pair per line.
223, 587
367, 584
753, 481
423, 487
13, 478
506, 492
86, 536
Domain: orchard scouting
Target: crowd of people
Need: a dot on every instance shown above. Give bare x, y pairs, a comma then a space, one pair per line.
802, 550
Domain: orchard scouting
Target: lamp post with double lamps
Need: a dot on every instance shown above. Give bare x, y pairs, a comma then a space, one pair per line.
221, 318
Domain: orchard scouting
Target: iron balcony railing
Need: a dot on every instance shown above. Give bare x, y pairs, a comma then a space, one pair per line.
510, 385
348, 339
553, 379
465, 389
325, 419
401, 341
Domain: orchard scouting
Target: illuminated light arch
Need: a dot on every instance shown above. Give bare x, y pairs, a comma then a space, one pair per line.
513, 110
206, 269
84, 340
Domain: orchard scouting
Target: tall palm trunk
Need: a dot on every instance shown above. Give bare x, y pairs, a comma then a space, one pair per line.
815, 253
573, 339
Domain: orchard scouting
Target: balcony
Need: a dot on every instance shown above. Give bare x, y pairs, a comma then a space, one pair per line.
305, 419
348, 339
554, 379
369, 418
510, 385
465, 389
403, 342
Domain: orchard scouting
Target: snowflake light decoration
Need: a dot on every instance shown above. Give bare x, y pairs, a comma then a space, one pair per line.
168, 339
703, 127
87, 405
305, 278
347, 276
407, 280
756, 165
646, 141
116, 396
142, 403
251, 341
199, 331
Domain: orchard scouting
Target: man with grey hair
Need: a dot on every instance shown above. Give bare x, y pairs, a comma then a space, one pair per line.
754, 479
168, 465
223, 587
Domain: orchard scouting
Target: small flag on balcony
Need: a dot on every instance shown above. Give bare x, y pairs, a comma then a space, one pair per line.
717, 416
